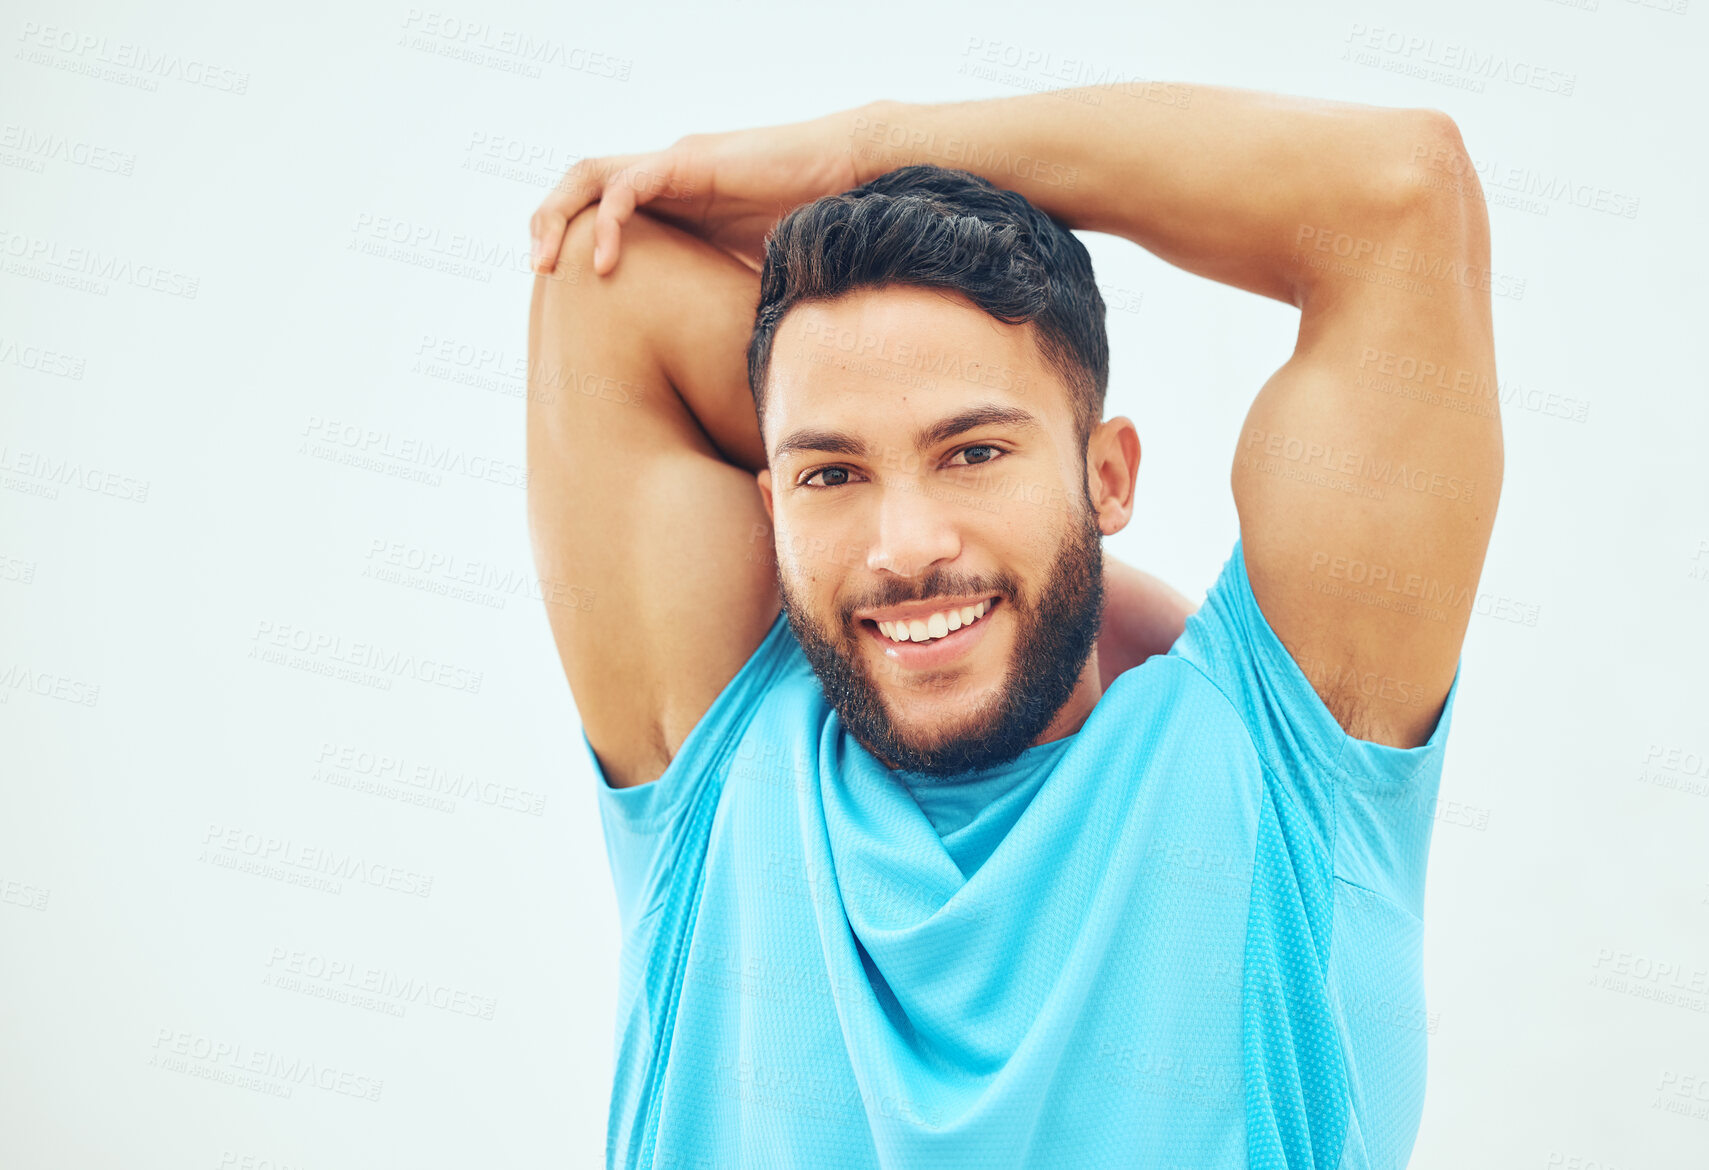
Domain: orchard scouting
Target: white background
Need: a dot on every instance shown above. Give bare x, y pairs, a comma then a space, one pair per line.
166, 512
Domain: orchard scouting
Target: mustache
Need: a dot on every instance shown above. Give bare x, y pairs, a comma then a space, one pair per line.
935, 586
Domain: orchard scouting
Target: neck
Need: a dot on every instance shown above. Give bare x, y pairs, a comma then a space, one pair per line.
1073, 714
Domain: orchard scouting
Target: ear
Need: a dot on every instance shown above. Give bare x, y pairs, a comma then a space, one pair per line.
1112, 465
763, 475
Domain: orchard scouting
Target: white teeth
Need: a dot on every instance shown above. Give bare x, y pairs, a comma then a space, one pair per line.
936, 626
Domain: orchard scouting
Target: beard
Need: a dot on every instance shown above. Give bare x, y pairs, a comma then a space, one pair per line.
1055, 633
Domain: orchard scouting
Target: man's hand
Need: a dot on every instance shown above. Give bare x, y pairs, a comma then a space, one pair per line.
728, 189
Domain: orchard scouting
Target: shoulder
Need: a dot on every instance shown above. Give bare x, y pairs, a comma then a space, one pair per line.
775, 677
1170, 699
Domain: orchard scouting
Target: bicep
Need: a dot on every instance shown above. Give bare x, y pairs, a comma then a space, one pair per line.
664, 547
1368, 470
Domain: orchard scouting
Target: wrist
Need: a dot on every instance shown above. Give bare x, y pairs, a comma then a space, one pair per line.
871, 130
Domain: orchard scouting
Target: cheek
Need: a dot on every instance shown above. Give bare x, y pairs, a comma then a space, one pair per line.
806, 580
810, 586
816, 561
1024, 550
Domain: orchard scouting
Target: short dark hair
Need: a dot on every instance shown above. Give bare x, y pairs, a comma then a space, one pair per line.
937, 227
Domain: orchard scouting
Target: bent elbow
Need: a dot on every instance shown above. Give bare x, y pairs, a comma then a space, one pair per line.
1434, 184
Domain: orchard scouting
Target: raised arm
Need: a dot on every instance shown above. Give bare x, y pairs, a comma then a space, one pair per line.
1367, 473
642, 441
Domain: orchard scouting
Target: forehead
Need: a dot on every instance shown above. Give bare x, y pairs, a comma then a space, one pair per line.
904, 349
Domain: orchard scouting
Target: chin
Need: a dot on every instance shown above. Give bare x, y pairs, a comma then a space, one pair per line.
973, 683
922, 731
930, 718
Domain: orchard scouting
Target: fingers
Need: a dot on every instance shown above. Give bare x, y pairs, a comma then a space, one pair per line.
546, 233
546, 226
637, 183
619, 183
581, 185
614, 211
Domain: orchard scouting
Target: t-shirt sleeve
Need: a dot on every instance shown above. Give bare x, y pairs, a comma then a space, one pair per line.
652, 830
1375, 803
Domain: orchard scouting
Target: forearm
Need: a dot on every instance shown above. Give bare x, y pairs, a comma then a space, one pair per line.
1143, 617
1217, 181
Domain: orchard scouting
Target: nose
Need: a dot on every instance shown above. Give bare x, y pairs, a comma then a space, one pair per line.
914, 532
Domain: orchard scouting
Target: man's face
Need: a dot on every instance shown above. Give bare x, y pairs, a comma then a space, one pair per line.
925, 471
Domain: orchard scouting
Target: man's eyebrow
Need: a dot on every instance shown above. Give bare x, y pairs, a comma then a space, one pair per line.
843, 443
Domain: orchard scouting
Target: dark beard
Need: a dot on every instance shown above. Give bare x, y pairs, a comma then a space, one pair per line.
1056, 635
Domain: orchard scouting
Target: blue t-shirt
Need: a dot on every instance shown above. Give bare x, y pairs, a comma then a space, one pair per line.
1187, 936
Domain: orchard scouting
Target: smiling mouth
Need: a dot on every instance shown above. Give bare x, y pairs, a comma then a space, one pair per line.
943, 624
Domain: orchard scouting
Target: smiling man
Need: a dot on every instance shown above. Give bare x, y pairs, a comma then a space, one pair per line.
960, 639
937, 840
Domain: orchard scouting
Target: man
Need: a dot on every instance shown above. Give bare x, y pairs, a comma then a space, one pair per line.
927, 854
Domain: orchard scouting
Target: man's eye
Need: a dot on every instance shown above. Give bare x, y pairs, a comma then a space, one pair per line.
975, 453
831, 473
